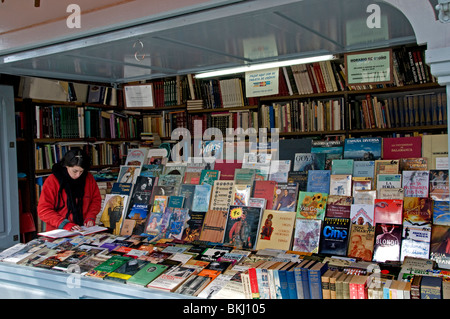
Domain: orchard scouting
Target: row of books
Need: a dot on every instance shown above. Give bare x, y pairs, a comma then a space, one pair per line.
84, 122
164, 123
213, 271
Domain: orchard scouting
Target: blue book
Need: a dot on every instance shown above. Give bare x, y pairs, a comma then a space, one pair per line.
201, 199
363, 169
363, 148
318, 181
283, 280
342, 166
315, 279
298, 278
305, 279
292, 286
272, 117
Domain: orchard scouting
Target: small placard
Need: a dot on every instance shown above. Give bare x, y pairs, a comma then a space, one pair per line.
138, 96
371, 67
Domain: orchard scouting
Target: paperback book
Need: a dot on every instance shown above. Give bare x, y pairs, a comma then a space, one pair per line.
389, 181
342, 167
113, 212
439, 185
276, 230
388, 239
415, 242
361, 242
341, 185
362, 214
364, 169
146, 274
307, 235
311, 205
441, 213
414, 164
364, 148
417, 211
319, 181
338, 206
128, 174
334, 236
265, 189
222, 195
415, 183
202, 195
304, 162
285, 197
389, 211
136, 156
439, 243
242, 226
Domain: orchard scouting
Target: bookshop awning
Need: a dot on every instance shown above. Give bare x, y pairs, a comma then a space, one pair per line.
134, 40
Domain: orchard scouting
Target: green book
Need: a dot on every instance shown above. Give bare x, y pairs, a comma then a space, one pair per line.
127, 270
208, 176
147, 274
110, 265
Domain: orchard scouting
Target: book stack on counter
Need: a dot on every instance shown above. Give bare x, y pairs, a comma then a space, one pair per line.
347, 219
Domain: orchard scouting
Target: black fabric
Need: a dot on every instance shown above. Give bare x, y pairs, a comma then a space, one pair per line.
74, 189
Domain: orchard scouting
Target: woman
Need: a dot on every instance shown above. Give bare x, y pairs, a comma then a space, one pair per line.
70, 197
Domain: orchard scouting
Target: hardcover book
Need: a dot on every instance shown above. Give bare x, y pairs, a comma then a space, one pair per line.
388, 211
387, 242
362, 214
363, 148
276, 230
208, 176
364, 169
319, 181
334, 236
175, 201
413, 164
187, 191
242, 226
417, 211
128, 174
361, 242
402, 147
136, 156
285, 197
227, 169
415, 183
214, 226
307, 235
341, 185
311, 205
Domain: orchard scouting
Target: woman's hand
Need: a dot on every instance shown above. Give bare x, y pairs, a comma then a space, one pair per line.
89, 223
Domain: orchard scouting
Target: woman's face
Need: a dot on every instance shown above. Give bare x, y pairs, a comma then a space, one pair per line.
75, 171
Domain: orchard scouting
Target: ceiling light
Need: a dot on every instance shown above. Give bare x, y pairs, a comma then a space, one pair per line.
264, 66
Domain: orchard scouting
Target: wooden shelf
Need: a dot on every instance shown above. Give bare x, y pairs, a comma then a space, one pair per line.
225, 109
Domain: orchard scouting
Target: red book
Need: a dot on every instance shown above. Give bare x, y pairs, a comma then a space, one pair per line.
388, 211
402, 147
265, 189
227, 168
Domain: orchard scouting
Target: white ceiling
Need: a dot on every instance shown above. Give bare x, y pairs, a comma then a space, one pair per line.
129, 40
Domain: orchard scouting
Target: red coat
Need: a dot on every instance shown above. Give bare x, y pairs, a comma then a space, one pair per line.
92, 202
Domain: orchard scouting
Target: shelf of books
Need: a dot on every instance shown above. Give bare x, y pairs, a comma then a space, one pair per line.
362, 218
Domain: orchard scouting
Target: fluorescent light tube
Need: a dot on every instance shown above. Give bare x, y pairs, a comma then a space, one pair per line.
264, 66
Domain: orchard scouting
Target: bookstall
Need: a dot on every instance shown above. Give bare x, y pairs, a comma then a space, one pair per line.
328, 171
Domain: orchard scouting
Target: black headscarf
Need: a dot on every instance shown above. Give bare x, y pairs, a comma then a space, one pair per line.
74, 188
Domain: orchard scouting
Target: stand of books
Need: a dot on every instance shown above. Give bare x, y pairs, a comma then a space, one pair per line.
360, 218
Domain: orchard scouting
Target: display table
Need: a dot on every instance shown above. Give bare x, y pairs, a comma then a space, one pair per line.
23, 282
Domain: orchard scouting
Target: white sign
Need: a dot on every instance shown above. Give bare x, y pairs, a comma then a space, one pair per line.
262, 82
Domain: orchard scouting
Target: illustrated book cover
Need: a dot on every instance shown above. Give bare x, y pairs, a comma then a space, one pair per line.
242, 226
311, 205
415, 183
388, 211
387, 243
361, 242
276, 229
362, 214
307, 235
334, 236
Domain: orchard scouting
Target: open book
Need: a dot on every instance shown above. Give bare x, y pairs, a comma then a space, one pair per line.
60, 233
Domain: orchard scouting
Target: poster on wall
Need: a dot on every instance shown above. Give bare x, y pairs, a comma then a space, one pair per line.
370, 67
139, 96
262, 82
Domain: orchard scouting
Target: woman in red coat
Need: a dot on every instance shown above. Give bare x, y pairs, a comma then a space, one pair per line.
70, 197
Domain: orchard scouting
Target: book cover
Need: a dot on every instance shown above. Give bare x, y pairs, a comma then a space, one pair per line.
304, 162
175, 201
319, 181
441, 213
175, 222
307, 235
279, 170
222, 195
363, 148
388, 238
175, 168
415, 242
413, 164
159, 203
402, 147
108, 266
193, 227
334, 236
227, 168
338, 206
276, 230
128, 174
113, 212
265, 189
146, 274
202, 197
439, 251
391, 193
362, 214
242, 226
417, 211
435, 148
123, 273
415, 183
170, 180
187, 191
342, 167
172, 278
364, 169
389, 181
439, 185
241, 194
214, 226
301, 178
244, 176
388, 211
361, 242
151, 170
311, 205
285, 197
208, 176
136, 156
341, 185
